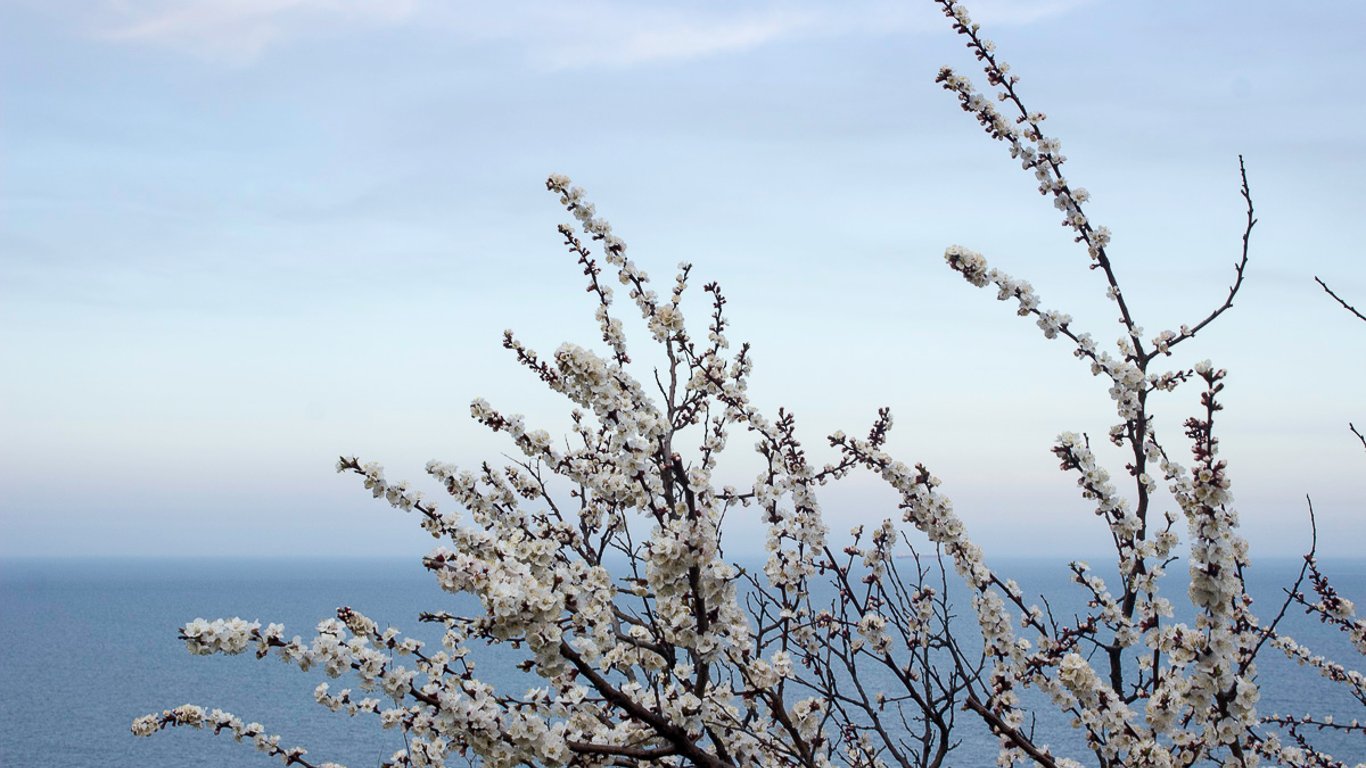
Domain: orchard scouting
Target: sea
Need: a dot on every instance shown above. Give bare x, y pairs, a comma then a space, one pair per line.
87, 645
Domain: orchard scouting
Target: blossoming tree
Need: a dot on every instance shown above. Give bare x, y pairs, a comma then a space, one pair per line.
601, 557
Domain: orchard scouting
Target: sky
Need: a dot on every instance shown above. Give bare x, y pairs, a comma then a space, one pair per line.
241, 237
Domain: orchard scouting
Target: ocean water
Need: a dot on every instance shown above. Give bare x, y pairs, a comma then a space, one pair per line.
86, 646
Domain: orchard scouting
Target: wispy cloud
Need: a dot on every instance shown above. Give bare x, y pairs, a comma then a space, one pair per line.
623, 35
554, 35
618, 33
239, 31
1010, 12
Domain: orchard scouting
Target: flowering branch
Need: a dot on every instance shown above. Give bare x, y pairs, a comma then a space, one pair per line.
192, 716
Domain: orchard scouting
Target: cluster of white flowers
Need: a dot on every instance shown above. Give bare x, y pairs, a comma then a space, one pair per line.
1129, 380
659, 676
224, 635
1023, 134
1095, 483
1210, 672
194, 716
1331, 607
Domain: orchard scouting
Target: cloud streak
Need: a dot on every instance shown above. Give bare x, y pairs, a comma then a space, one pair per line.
238, 32
550, 35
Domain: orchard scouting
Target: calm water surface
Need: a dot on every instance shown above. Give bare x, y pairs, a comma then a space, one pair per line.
87, 646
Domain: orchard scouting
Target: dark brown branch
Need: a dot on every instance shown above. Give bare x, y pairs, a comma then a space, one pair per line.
1239, 268
1339, 300
639, 753
666, 730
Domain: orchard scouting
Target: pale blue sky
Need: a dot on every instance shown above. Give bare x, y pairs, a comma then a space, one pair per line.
238, 238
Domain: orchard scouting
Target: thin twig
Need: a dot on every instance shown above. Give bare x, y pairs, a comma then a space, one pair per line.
1338, 299
1239, 268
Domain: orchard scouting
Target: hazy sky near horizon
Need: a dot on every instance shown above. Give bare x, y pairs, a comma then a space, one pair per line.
241, 237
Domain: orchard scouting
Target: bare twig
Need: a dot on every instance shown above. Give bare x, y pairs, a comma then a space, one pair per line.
1339, 299
1239, 268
